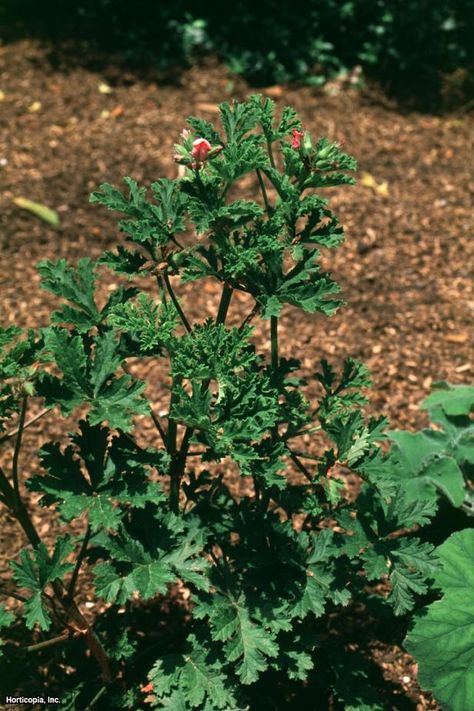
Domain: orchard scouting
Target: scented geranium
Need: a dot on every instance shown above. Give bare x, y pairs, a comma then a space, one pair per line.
211, 480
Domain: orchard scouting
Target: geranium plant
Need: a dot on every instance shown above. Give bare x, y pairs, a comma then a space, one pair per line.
232, 508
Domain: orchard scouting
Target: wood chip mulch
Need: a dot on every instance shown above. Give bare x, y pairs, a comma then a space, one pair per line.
405, 269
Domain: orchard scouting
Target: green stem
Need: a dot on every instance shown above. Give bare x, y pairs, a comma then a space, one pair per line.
264, 192
158, 426
161, 288
226, 296
6, 490
96, 698
274, 343
249, 316
176, 303
21, 514
16, 453
225, 191
270, 153
178, 463
9, 593
80, 558
306, 455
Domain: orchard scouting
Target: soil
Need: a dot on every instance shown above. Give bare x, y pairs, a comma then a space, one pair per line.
405, 267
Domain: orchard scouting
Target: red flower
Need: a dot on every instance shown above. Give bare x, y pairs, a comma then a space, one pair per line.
201, 148
297, 136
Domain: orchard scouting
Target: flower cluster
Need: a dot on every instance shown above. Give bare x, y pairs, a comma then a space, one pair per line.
194, 152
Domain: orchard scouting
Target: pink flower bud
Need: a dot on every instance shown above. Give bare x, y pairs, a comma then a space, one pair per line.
201, 148
297, 136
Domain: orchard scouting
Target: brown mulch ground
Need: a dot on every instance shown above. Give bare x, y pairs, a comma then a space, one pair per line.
404, 269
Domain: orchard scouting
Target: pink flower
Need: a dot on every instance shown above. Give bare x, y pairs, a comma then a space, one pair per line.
297, 136
201, 148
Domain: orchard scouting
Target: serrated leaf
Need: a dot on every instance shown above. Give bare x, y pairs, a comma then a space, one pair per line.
34, 571
36, 613
245, 642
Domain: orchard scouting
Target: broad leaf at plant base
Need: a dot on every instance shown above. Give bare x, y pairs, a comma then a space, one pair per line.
439, 461
442, 637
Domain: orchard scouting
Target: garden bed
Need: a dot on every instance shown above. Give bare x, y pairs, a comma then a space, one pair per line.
404, 268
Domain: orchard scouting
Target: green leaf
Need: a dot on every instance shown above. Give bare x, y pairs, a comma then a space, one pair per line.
426, 463
36, 612
114, 475
76, 285
118, 403
90, 377
442, 637
195, 679
413, 563
70, 358
454, 400
246, 643
106, 361
149, 570
34, 571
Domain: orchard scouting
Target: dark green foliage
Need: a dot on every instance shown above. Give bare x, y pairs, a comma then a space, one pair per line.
34, 571
114, 476
408, 45
266, 549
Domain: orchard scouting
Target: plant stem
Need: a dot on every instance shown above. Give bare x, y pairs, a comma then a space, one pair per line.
158, 426
16, 453
178, 463
274, 359
226, 296
264, 192
47, 643
15, 595
249, 316
6, 490
306, 455
21, 514
29, 422
159, 281
99, 695
301, 466
270, 153
274, 342
176, 302
80, 558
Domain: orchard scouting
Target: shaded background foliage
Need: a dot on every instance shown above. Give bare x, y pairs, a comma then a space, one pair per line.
408, 45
